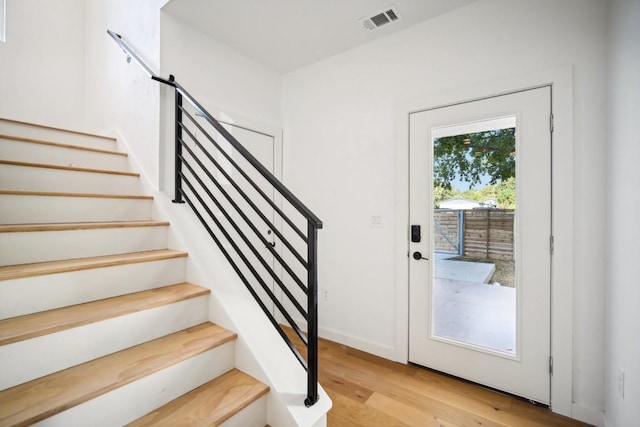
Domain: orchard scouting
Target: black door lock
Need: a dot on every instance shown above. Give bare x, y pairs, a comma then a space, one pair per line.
415, 234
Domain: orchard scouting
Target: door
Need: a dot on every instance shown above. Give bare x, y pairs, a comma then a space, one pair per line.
248, 229
479, 246
261, 146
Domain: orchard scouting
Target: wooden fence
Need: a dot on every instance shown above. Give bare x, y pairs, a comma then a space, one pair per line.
484, 233
488, 233
446, 233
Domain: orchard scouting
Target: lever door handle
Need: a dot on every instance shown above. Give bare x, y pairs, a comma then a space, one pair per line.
418, 256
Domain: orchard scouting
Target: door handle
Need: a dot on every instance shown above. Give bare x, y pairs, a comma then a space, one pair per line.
418, 256
272, 244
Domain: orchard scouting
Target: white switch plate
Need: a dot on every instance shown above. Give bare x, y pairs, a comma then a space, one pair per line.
375, 221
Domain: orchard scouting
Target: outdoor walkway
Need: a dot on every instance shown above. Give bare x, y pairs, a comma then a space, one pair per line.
469, 310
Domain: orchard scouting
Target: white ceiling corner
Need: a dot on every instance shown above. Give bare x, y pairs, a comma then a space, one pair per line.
288, 34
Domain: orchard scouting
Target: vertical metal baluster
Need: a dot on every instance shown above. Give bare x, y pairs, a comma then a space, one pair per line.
178, 145
312, 311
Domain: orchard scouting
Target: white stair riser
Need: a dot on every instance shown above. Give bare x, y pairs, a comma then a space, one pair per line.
25, 178
23, 361
36, 132
39, 293
18, 151
143, 396
42, 246
18, 209
254, 415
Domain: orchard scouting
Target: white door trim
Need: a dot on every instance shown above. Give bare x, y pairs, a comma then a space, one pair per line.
561, 80
222, 115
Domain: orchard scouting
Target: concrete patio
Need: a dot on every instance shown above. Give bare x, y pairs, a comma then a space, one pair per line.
468, 309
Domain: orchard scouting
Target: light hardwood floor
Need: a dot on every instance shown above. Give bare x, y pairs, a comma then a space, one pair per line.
369, 391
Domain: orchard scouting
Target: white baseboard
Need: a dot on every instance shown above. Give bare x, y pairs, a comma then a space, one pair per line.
588, 415
377, 349
387, 352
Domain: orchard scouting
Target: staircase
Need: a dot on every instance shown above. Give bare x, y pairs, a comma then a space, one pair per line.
97, 323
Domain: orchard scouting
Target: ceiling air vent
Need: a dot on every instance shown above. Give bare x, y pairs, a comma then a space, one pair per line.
380, 19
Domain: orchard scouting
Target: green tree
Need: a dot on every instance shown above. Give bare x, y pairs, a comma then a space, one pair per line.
506, 193
442, 193
484, 193
472, 156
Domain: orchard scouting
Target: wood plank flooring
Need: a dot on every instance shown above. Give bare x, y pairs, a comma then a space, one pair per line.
370, 391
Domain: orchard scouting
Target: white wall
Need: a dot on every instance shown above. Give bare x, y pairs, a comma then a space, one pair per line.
339, 124
119, 96
42, 62
623, 243
215, 73
221, 79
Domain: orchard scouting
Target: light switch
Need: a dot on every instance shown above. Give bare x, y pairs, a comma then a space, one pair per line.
375, 221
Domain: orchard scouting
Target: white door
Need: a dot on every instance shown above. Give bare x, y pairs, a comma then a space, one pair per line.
261, 146
479, 263
233, 182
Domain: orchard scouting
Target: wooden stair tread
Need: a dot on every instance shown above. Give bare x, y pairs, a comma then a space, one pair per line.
68, 168
76, 132
65, 226
62, 145
41, 398
21, 328
51, 267
210, 404
61, 194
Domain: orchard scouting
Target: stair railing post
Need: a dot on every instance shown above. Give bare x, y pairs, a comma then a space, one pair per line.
312, 311
178, 145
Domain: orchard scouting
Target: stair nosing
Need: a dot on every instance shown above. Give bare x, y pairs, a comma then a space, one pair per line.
67, 226
192, 396
63, 194
110, 138
68, 168
62, 145
64, 266
88, 371
73, 316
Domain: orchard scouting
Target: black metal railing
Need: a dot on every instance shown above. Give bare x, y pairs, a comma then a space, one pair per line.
267, 234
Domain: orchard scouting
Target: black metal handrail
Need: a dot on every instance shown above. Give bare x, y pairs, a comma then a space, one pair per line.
225, 208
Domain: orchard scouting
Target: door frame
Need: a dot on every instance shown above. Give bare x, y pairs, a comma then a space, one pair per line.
561, 81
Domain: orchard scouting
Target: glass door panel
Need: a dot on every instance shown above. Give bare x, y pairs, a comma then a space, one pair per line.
474, 199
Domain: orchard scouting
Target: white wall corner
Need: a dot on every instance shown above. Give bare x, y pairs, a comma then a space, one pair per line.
402, 233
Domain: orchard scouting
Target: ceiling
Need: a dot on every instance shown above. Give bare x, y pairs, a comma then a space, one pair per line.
288, 34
